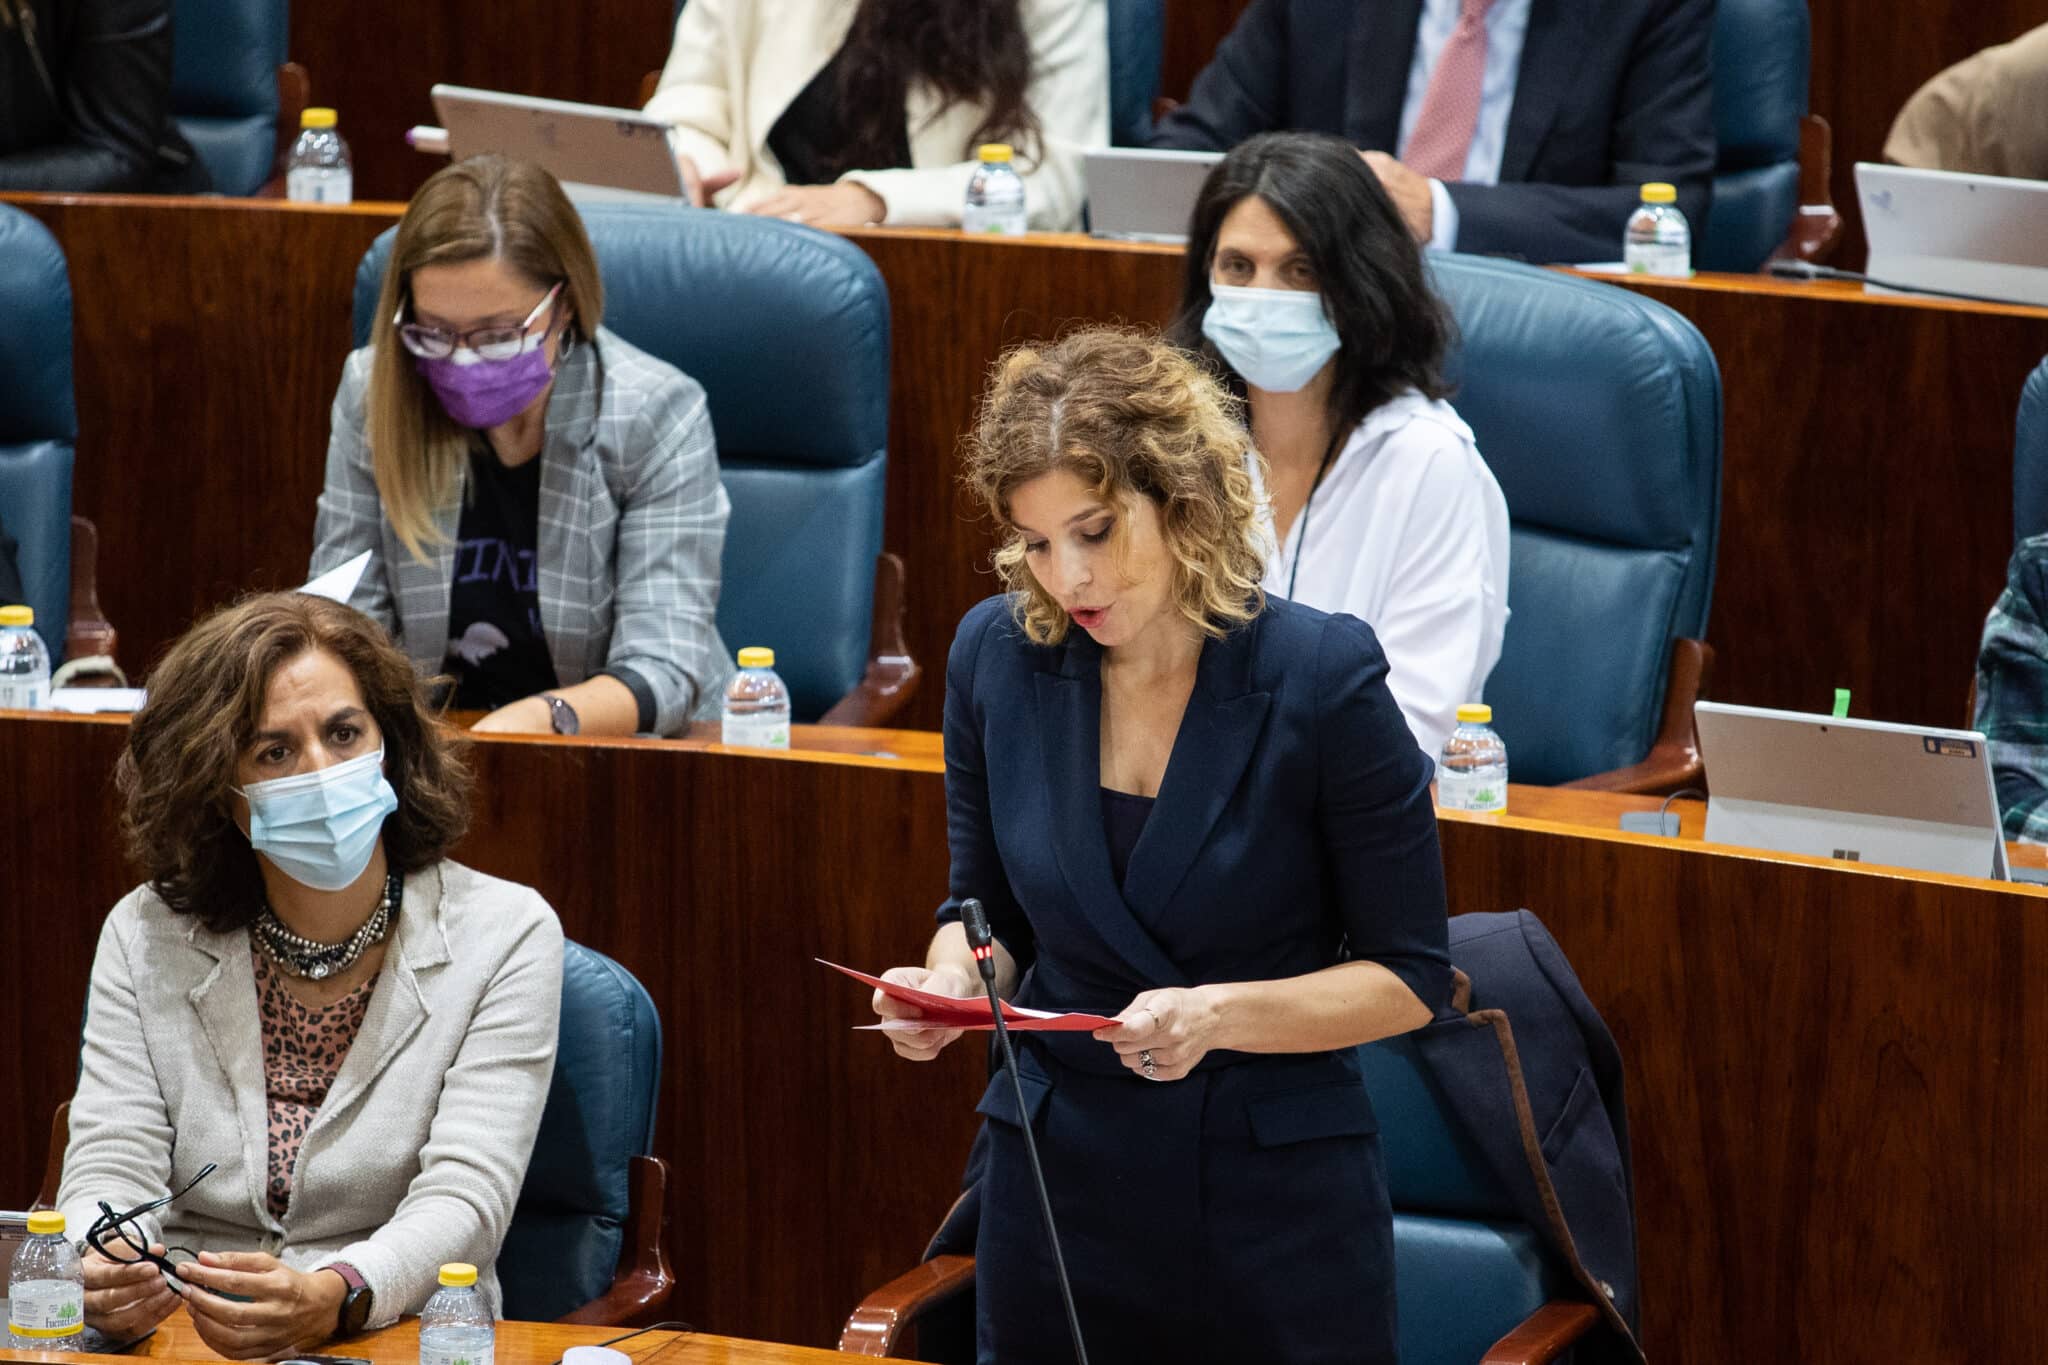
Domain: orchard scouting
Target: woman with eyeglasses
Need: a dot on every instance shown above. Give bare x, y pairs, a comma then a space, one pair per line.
540, 499
316, 1050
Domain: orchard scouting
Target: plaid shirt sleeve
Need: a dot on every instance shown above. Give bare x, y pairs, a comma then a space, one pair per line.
349, 518
671, 542
2012, 693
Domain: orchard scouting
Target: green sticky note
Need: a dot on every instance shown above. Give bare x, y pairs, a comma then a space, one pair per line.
1841, 702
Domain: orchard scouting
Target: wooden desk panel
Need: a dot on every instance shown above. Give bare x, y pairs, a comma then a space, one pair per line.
1867, 474
517, 1343
1835, 1086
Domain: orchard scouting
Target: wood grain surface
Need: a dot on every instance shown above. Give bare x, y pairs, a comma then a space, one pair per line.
517, 1343
1834, 1080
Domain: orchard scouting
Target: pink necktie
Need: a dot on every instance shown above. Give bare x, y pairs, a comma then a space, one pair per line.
1450, 107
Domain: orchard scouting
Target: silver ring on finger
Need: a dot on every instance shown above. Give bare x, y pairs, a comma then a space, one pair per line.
1147, 1065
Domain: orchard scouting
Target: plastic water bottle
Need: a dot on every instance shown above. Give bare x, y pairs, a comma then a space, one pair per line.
46, 1288
1659, 240
995, 196
318, 171
24, 662
756, 713
1473, 772
455, 1326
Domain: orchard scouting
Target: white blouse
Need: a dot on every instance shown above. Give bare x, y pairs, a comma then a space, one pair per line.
1409, 533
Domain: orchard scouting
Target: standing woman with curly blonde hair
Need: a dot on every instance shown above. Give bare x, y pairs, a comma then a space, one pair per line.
1198, 810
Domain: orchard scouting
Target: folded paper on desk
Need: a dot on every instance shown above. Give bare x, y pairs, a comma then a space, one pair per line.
968, 1012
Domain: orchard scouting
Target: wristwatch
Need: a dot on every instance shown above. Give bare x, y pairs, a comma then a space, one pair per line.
564, 714
356, 1304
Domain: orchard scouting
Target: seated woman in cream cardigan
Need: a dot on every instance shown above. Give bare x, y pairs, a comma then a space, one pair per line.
315, 1044
845, 112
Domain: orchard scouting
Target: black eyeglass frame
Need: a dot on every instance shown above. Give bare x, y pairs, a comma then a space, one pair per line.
491, 343
110, 1225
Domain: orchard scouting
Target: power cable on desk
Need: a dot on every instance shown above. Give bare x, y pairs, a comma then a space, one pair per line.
1808, 270
628, 1336
1665, 809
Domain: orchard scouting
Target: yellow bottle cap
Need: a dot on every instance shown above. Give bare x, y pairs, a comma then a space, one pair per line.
1475, 713
316, 118
460, 1274
996, 151
1656, 192
43, 1222
756, 657
17, 616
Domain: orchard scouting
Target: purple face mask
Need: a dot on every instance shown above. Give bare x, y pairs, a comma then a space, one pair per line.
484, 393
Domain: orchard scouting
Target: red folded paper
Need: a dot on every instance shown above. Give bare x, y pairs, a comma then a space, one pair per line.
968, 1012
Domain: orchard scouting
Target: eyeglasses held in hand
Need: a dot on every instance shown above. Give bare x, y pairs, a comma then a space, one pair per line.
492, 343
120, 1236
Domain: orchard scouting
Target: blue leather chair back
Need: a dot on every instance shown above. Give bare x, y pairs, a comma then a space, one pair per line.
563, 1245
1599, 412
224, 60
38, 419
787, 328
1761, 58
1467, 1270
1137, 41
2030, 459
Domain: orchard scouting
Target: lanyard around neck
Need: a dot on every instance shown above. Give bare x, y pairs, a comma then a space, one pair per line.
1301, 522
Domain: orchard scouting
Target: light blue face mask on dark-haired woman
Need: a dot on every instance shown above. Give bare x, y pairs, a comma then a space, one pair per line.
320, 828
1276, 338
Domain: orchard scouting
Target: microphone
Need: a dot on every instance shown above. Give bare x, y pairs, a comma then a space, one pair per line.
979, 938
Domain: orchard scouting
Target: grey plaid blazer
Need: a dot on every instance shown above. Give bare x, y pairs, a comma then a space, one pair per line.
632, 527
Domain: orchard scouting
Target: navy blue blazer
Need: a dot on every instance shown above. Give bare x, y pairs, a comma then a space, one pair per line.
1293, 830
1610, 93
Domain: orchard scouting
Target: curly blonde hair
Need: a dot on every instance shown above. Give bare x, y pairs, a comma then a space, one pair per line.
1128, 414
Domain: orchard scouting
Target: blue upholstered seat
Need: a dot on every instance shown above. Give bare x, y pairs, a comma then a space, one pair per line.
787, 328
38, 419
1761, 56
224, 60
1599, 412
1137, 42
1467, 1271
566, 1233
2030, 459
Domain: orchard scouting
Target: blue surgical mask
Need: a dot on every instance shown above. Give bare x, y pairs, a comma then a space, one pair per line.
1276, 338
320, 828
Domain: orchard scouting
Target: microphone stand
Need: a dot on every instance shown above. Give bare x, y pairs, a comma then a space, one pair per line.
982, 940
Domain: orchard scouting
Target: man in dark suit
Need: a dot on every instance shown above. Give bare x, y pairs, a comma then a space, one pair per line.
1510, 127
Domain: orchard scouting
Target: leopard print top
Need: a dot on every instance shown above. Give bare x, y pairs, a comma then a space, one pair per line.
303, 1048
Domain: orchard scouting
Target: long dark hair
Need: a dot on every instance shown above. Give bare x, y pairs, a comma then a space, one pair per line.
968, 51
1394, 329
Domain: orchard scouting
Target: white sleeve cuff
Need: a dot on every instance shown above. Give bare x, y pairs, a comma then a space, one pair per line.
1443, 214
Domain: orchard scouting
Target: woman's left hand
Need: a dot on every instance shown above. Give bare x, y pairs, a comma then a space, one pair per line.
289, 1309
1170, 1028
842, 205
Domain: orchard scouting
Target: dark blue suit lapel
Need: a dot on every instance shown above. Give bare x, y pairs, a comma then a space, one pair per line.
1550, 64
1382, 48
1217, 735
1070, 739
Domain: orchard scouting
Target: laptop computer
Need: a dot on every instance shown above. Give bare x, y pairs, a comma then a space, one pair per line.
597, 153
1139, 194
1860, 790
1984, 236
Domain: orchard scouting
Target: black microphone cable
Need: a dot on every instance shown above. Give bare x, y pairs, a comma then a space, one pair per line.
1807, 270
975, 920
